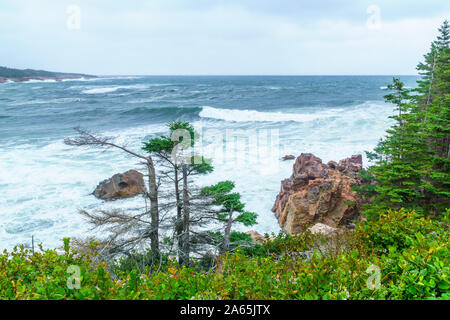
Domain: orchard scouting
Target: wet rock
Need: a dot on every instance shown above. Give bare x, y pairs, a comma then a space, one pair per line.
122, 185
288, 157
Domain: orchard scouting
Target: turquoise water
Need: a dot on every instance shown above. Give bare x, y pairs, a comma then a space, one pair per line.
246, 125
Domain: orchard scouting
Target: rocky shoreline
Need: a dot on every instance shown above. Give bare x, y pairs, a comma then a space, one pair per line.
25, 79
18, 75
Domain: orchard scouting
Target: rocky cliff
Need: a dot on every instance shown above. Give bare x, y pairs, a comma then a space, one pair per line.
319, 193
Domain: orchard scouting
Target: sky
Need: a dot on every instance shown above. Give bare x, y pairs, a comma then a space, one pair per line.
219, 37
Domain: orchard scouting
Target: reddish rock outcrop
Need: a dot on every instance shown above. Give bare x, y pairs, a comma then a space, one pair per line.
351, 166
122, 185
288, 157
318, 193
256, 237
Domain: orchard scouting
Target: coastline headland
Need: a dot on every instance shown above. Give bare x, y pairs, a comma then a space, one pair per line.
17, 75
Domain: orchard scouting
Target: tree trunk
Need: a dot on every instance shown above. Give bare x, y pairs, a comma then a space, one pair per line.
226, 241
186, 217
154, 213
179, 221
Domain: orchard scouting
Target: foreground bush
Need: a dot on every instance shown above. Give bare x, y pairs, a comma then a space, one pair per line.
410, 251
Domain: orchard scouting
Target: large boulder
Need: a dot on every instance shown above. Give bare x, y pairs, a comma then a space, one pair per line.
121, 185
319, 193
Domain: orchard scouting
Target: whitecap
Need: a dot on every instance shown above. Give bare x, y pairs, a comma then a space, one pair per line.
237, 115
81, 79
51, 101
39, 81
100, 90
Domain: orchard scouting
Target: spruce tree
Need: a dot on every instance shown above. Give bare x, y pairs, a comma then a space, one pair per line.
398, 157
433, 109
412, 161
229, 210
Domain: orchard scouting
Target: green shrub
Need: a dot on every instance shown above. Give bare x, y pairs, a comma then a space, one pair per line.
399, 229
410, 251
415, 253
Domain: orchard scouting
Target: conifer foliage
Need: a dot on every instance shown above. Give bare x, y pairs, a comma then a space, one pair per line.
412, 162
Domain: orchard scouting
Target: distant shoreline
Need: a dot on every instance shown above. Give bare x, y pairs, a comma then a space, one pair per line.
17, 75
25, 79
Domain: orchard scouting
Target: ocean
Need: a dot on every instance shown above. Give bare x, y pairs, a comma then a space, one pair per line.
246, 124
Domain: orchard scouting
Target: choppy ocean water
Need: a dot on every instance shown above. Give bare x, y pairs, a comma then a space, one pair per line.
246, 125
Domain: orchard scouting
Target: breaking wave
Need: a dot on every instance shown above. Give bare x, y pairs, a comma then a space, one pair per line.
113, 89
253, 115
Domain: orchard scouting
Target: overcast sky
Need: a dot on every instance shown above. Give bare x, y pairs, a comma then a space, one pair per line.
188, 37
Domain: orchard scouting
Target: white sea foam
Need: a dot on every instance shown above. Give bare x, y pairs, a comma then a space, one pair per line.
101, 78
237, 115
350, 131
50, 101
81, 79
101, 90
113, 89
40, 81
47, 185
43, 186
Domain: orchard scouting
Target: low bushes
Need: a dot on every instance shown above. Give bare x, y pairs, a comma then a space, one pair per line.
409, 251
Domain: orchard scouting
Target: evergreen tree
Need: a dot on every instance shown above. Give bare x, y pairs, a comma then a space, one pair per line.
436, 119
398, 156
229, 210
179, 169
412, 162
433, 113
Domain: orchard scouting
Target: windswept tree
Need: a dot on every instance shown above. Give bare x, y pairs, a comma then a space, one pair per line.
117, 222
204, 216
227, 209
171, 153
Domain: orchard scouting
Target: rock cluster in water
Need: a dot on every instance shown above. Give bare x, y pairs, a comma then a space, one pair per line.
319, 193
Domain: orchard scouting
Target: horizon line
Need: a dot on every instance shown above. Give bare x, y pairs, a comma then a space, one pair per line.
251, 75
